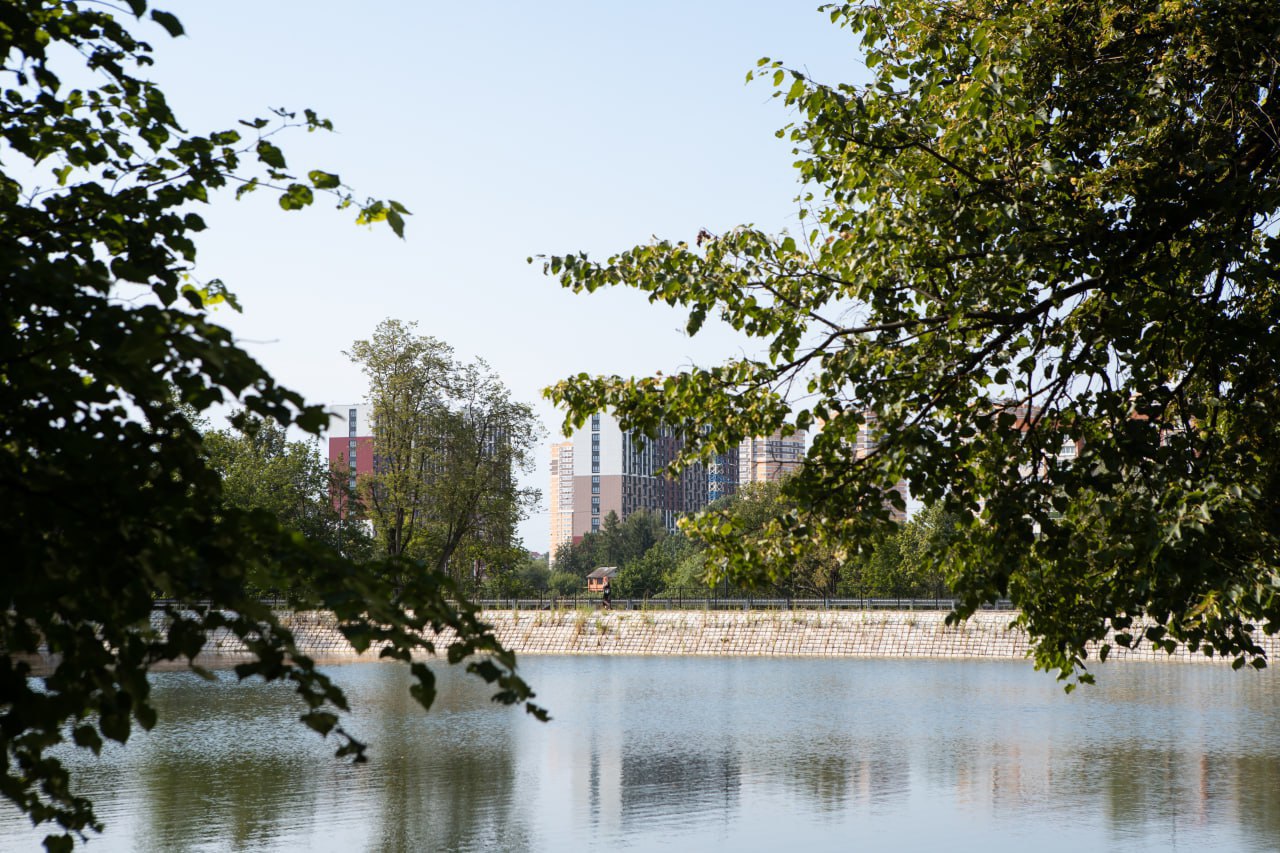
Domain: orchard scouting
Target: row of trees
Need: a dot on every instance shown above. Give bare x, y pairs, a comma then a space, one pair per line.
905, 562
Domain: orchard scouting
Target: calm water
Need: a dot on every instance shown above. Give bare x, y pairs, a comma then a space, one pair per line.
711, 753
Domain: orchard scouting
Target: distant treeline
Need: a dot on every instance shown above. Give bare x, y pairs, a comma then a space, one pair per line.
653, 562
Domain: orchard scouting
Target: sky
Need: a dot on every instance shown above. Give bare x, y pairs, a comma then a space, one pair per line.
509, 131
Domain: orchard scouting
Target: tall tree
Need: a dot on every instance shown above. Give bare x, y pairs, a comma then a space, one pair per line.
107, 494
407, 377
1040, 225
449, 443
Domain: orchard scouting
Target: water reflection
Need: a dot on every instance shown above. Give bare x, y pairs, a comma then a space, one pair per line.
755, 753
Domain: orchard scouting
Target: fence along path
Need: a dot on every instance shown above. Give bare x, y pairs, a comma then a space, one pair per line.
702, 601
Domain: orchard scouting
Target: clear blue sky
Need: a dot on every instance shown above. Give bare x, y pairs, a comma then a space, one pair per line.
508, 130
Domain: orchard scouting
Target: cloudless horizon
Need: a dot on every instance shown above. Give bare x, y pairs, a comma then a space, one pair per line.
509, 132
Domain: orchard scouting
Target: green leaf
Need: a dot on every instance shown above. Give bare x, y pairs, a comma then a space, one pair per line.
85, 736
59, 843
168, 21
320, 721
270, 154
296, 197
323, 180
396, 222
246, 188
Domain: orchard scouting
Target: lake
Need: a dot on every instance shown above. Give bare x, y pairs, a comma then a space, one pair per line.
649, 753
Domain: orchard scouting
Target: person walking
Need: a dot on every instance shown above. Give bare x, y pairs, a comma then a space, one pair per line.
608, 595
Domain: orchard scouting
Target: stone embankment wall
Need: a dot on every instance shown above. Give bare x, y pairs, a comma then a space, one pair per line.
880, 634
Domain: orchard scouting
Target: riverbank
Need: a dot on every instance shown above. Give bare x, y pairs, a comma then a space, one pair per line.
867, 634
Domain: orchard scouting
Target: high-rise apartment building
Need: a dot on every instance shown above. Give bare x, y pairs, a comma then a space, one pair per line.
350, 439
764, 460
866, 443
561, 496
616, 471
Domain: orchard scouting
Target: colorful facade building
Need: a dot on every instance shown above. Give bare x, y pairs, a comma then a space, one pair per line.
349, 439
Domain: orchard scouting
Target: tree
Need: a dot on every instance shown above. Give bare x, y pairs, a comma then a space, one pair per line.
622, 544
448, 444
638, 535
575, 559
1040, 226
649, 573
905, 563
750, 510
565, 583
530, 576
262, 470
107, 493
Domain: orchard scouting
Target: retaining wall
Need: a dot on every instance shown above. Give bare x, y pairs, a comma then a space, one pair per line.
881, 634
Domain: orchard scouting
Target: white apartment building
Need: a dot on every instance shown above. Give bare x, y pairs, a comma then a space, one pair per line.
561, 496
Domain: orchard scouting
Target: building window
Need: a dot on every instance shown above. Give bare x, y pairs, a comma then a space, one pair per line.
595, 488
595, 525
595, 423
595, 506
352, 444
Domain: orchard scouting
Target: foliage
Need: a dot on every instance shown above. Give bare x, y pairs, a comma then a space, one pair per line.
750, 511
690, 572
448, 444
107, 493
528, 577
572, 559
904, 563
262, 470
1039, 225
616, 543
650, 573
566, 583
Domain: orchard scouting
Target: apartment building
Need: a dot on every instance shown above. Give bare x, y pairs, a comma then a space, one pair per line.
765, 460
615, 471
868, 439
349, 438
560, 497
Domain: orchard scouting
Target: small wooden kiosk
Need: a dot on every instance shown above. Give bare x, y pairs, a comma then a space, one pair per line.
595, 580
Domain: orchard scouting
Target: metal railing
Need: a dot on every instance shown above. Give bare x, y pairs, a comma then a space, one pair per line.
701, 600
711, 601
